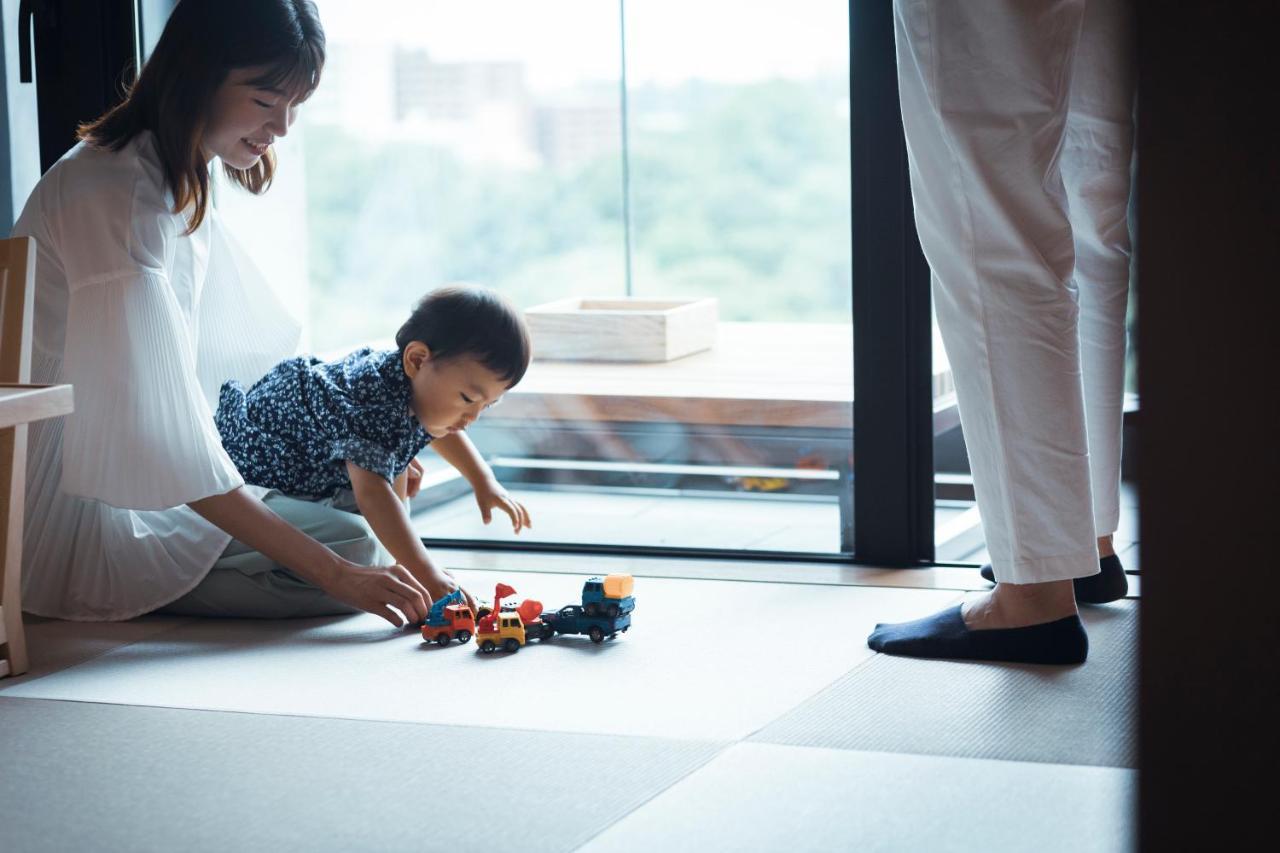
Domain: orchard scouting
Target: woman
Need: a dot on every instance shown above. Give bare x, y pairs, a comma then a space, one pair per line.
146, 305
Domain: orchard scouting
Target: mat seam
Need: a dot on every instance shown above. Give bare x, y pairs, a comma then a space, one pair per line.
376, 720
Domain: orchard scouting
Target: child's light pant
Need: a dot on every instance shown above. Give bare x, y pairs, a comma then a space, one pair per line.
1018, 118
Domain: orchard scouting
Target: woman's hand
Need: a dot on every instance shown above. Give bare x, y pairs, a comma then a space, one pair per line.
491, 495
440, 582
375, 589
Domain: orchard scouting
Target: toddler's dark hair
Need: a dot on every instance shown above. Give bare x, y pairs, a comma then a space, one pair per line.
465, 320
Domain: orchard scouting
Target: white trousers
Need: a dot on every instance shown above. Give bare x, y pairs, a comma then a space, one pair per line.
1019, 128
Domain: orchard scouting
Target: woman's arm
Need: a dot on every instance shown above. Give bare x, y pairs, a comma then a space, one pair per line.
370, 588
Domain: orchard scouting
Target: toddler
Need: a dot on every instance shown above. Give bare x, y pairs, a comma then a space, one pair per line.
315, 429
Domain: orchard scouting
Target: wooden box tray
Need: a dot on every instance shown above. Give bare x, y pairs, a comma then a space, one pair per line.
622, 328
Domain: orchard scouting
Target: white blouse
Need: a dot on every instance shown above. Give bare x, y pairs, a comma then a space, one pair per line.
146, 323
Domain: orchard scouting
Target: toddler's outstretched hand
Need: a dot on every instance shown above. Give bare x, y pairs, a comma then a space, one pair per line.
413, 478
490, 495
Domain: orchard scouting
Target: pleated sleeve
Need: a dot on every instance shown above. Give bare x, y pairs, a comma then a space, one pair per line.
142, 435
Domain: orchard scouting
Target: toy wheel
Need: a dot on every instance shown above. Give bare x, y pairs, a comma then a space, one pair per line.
442, 638
487, 646
462, 636
548, 632
613, 611
511, 645
597, 636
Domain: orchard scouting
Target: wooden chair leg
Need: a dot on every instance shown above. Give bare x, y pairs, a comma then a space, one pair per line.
13, 459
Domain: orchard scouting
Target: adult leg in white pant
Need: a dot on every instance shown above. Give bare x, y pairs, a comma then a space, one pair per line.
1097, 173
1096, 163
986, 91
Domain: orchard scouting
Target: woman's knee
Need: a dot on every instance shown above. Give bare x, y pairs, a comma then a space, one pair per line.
348, 535
345, 533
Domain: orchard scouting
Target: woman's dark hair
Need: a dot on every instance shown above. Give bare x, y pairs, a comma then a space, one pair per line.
172, 97
464, 320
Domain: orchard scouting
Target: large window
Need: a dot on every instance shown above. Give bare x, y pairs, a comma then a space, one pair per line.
749, 154
499, 142
577, 148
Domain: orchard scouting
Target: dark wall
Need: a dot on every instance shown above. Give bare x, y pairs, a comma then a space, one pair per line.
1208, 267
85, 56
7, 214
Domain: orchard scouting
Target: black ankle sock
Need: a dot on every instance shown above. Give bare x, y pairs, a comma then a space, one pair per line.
1109, 584
944, 635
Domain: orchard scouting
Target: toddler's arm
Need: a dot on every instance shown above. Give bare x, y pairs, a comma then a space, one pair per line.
459, 452
386, 513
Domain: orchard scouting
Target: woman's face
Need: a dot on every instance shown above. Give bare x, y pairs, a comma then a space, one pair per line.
245, 119
449, 394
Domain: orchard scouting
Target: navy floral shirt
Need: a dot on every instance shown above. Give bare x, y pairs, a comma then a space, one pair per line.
297, 427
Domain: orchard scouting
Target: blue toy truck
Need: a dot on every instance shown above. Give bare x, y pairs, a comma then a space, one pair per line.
605, 610
610, 595
573, 620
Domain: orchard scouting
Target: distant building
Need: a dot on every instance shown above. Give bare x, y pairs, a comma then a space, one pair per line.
572, 134
357, 90
480, 111
454, 91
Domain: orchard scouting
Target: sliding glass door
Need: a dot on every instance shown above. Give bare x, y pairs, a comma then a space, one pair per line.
704, 209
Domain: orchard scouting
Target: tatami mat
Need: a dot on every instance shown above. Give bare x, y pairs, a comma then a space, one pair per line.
769, 797
55, 644
1062, 715
118, 778
353, 735
704, 660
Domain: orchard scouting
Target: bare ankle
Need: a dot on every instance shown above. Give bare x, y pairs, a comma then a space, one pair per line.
1033, 602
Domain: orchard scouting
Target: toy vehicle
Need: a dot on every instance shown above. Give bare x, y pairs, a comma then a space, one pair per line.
763, 484
510, 628
575, 620
610, 595
605, 610
449, 619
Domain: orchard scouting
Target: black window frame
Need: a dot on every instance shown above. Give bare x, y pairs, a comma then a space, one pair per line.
893, 476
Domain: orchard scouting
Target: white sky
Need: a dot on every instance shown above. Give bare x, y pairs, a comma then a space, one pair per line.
565, 41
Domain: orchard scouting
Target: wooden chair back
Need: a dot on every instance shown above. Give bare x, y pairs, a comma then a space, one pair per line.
17, 292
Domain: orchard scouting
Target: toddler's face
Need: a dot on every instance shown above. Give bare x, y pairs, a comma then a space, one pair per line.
449, 394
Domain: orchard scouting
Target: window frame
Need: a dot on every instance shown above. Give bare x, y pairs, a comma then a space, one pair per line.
893, 477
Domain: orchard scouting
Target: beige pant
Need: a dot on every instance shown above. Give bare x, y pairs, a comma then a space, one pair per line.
1019, 127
